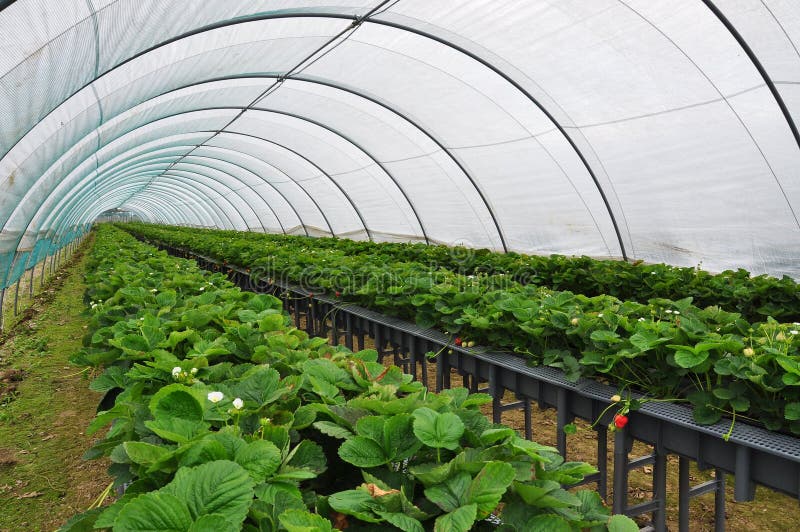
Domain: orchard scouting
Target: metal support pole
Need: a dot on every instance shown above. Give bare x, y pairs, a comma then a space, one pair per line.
660, 491
16, 297
41, 276
744, 490
440, 369
683, 494
348, 335
30, 284
2, 314
602, 460
719, 501
620, 488
496, 391
563, 418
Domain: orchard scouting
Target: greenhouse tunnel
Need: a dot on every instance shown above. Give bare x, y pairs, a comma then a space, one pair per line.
624, 129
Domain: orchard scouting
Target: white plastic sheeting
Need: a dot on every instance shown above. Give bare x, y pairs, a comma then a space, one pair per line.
656, 131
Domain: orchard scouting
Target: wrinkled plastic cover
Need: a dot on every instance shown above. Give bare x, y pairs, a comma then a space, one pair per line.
655, 131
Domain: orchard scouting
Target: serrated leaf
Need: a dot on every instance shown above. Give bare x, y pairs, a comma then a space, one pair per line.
400, 442
363, 452
357, 503
144, 453
259, 385
213, 523
304, 521
451, 493
438, 430
154, 511
460, 520
489, 485
260, 458
221, 487
622, 523
690, 359
402, 521
494, 435
272, 322
792, 411
308, 455
333, 430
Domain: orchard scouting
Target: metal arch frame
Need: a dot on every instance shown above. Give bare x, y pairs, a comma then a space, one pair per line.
187, 195
160, 160
78, 164
709, 3
246, 155
141, 211
202, 188
67, 204
64, 204
163, 191
199, 193
533, 100
433, 138
410, 29
159, 208
360, 148
384, 105
163, 209
230, 190
193, 155
296, 182
182, 173
285, 148
758, 65
153, 216
56, 237
236, 191
128, 159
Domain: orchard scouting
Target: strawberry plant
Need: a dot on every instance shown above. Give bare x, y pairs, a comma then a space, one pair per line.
219, 414
715, 359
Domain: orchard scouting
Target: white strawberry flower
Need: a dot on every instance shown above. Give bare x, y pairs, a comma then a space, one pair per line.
176, 371
238, 403
215, 397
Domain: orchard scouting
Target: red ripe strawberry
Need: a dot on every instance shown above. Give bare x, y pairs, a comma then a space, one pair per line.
311, 296
457, 341
338, 294
620, 421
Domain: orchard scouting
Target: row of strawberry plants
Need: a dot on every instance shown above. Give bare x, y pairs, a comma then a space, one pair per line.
755, 297
224, 417
668, 349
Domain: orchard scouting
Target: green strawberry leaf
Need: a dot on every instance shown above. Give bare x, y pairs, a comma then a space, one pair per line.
460, 520
221, 487
438, 430
155, 511
304, 521
363, 452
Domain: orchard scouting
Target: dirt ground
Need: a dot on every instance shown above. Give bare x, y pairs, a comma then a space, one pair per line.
25, 296
45, 408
